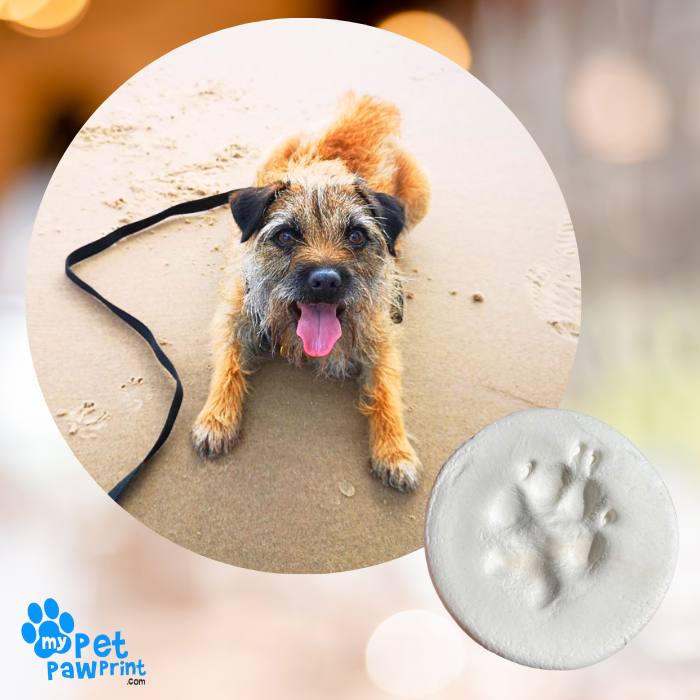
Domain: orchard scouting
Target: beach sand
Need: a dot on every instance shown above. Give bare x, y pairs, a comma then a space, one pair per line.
492, 293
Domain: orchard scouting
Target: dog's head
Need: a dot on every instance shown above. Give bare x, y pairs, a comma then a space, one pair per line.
319, 260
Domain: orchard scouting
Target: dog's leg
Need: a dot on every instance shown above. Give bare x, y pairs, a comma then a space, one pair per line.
393, 457
216, 428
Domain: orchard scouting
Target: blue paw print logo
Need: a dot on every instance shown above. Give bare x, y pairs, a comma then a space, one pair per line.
51, 638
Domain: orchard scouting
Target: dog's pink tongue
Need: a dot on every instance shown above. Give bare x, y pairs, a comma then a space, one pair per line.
319, 328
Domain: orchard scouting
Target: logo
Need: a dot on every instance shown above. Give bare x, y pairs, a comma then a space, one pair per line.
49, 631
51, 638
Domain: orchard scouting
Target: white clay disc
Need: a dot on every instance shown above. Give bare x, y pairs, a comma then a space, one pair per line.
550, 539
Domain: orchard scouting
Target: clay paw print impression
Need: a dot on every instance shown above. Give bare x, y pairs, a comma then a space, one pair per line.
550, 539
548, 530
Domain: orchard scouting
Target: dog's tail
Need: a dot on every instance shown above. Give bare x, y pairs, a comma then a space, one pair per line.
359, 132
373, 117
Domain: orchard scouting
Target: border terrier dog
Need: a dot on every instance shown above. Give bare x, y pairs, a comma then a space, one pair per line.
316, 276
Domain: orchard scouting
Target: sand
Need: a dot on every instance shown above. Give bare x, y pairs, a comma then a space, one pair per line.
492, 297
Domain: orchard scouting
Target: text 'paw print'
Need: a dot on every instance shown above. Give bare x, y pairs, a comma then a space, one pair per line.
51, 637
545, 536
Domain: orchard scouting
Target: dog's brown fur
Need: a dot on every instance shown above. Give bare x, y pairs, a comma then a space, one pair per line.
320, 185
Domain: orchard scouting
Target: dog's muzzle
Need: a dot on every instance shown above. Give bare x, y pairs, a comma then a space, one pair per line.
319, 305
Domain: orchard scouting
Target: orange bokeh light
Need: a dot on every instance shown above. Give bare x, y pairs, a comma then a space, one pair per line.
43, 17
432, 31
19, 10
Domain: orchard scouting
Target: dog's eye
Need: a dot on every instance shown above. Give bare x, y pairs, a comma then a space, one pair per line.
357, 238
285, 238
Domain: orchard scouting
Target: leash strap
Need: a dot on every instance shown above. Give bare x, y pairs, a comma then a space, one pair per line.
87, 251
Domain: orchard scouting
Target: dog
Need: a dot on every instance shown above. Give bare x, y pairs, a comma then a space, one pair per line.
316, 277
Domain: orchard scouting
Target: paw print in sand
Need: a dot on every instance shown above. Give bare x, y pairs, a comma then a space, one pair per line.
548, 533
51, 638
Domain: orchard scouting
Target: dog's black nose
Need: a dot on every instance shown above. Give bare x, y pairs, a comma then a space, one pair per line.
324, 283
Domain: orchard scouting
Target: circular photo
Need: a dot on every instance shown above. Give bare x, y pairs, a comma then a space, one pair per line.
281, 275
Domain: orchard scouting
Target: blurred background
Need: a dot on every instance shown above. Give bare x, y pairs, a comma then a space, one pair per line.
610, 91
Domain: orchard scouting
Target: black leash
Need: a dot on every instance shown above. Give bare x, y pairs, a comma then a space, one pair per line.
87, 251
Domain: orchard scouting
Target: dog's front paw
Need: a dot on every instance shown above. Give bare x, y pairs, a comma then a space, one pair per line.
212, 436
401, 472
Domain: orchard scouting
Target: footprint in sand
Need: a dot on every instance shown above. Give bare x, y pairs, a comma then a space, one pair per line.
86, 420
555, 283
133, 392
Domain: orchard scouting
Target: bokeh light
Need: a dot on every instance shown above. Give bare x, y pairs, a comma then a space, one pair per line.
415, 653
44, 17
618, 110
432, 31
19, 10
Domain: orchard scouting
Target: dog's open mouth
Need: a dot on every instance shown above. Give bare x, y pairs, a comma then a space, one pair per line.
318, 326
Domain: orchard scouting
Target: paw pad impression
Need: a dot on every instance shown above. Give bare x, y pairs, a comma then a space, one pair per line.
548, 530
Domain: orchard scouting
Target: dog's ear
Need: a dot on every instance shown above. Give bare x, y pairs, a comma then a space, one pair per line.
248, 207
389, 211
